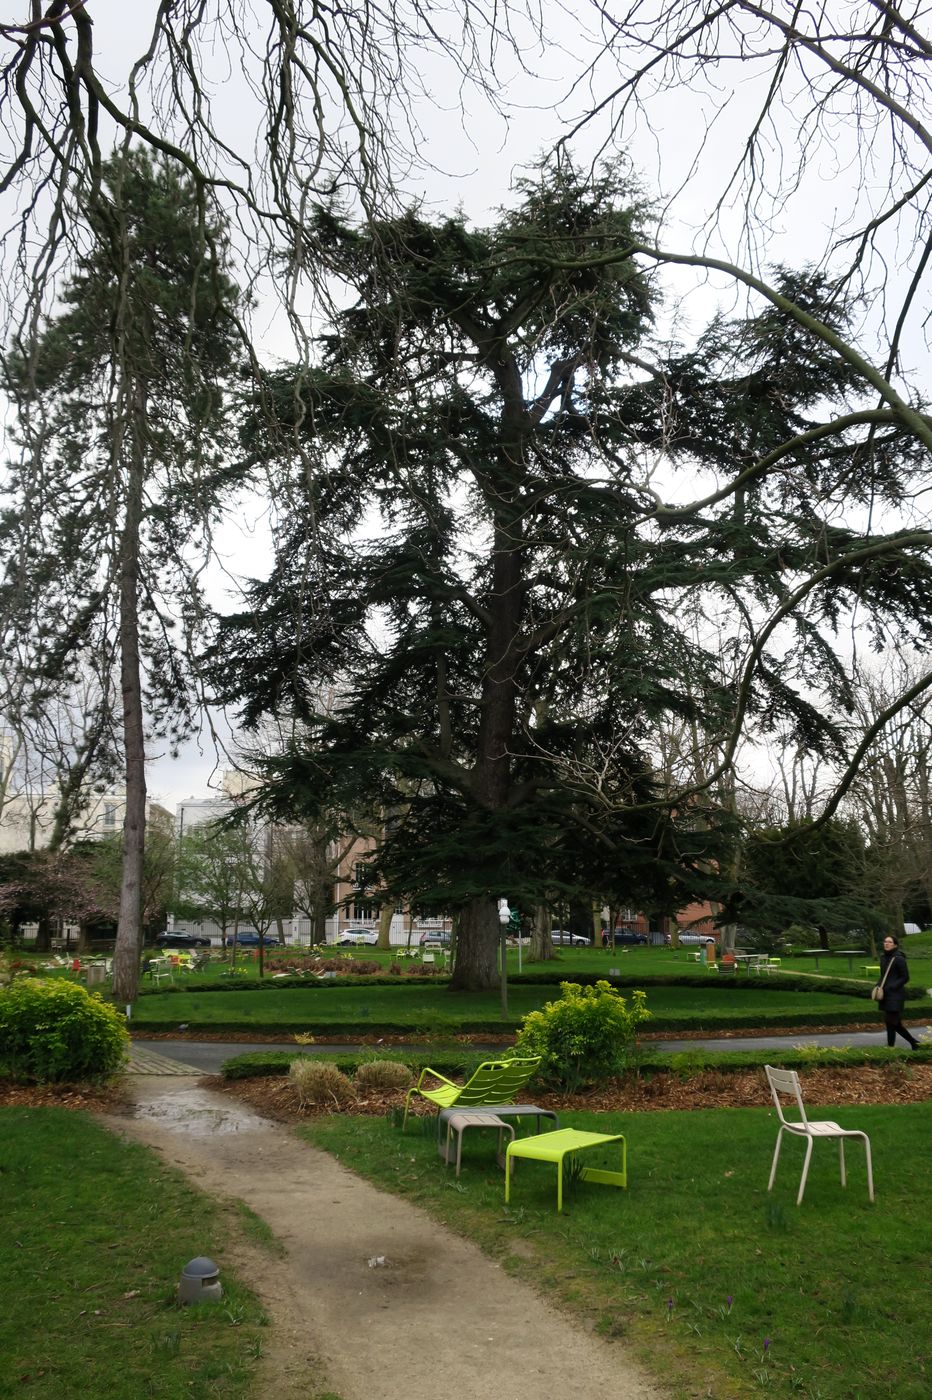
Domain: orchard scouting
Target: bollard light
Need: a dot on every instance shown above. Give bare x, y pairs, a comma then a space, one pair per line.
200, 1281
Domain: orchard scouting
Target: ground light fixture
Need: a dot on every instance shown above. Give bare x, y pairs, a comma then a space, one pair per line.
200, 1281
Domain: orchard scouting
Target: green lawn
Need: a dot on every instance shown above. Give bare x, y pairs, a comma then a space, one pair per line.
721, 1289
415, 1007
95, 1234
638, 961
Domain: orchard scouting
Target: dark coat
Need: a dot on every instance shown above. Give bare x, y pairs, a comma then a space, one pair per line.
894, 989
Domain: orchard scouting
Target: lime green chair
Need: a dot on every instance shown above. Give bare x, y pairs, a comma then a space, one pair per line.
495, 1081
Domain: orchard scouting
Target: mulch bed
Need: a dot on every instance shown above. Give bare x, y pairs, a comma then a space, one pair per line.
273, 1096
102, 1099
898, 1082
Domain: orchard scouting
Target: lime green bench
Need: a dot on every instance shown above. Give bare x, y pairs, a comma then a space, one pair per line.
494, 1082
554, 1147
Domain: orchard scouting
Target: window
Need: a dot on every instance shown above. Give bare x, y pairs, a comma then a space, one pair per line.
109, 816
363, 911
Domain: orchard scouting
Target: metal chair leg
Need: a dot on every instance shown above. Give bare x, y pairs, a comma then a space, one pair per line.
802, 1181
776, 1158
870, 1169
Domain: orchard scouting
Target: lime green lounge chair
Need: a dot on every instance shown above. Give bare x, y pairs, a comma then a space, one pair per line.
495, 1081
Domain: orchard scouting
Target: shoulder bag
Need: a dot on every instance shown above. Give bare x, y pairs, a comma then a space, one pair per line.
877, 992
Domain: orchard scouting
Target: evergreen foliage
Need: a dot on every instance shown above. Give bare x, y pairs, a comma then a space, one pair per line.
814, 873
137, 362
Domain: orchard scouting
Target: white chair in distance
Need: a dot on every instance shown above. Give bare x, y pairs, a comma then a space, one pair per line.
786, 1081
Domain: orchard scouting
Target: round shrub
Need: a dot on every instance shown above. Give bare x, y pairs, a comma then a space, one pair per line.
320, 1083
383, 1074
56, 1030
586, 1036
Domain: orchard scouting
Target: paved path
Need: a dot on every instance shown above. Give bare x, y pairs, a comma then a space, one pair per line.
143, 1060
208, 1056
373, 1300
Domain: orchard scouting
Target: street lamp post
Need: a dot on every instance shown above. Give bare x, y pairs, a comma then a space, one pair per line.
504, 919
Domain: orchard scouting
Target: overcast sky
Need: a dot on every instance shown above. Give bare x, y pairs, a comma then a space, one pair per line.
468, 155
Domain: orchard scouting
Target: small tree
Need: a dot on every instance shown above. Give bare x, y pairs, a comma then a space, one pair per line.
122, 413
214, 867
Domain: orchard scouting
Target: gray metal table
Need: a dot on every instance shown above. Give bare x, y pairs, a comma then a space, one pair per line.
499, 1110
820, 953
458, 1122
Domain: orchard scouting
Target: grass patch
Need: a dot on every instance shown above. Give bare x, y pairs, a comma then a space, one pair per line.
95, 1234
720, 1288
437, 1011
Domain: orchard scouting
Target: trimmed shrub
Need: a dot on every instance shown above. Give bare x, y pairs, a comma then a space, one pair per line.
588, 1035
54, 1030
320, 1083
383, 1074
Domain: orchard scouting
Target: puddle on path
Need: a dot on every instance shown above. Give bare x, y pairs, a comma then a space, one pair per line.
196, 1113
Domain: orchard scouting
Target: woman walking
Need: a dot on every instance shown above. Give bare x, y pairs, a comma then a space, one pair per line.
894, 974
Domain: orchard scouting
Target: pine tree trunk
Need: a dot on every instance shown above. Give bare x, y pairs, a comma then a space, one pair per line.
129, 928
476, 968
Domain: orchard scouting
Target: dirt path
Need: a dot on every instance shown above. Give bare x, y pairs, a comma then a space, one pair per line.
436, 1318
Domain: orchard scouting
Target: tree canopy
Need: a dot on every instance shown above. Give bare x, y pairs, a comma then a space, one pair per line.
509, 521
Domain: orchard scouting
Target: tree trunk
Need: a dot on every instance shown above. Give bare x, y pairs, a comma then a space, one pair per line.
386, 914
43, 933
475, 968
129, 927
318, 916
541, 948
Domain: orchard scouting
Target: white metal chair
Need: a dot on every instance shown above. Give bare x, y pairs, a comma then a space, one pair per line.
159, 970
786, 1081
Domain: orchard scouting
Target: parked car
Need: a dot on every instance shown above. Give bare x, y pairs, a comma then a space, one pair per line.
182, 940
248, 938
685, 938
628, 936
436, 935
564, 936
358, 938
